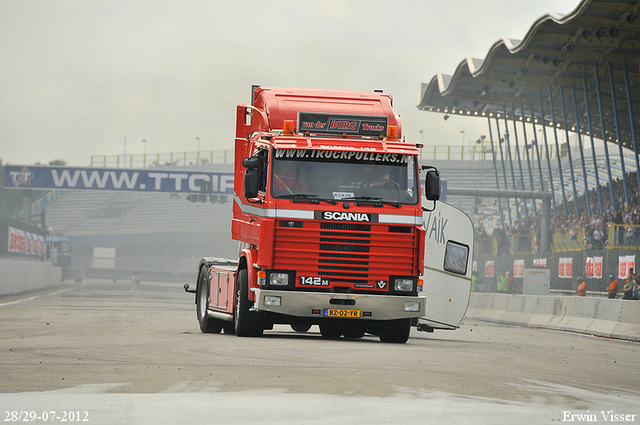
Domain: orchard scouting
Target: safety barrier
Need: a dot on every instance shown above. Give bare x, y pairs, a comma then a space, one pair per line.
624, 236
613, 318
568, 241
17, 276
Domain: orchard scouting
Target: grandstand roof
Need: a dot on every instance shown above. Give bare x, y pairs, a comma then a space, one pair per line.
558, 54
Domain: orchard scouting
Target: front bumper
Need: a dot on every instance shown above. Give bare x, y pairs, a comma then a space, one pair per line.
303, 304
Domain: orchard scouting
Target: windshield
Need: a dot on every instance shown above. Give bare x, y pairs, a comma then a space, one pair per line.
340, 176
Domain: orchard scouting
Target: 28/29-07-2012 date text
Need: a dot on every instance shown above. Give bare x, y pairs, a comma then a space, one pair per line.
45, 416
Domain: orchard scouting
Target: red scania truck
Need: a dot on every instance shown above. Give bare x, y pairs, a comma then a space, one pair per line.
332, 230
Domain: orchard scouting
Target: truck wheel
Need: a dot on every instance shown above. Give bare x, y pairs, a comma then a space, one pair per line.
207, 324
229, 328
246, 322
300, 327
396, 331
330, 329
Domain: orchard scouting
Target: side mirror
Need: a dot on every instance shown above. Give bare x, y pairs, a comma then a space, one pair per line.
251, 182
251, 176
432, 185
251, 162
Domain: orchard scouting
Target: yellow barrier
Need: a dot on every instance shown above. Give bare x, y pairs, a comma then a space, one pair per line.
623, 236
568, 241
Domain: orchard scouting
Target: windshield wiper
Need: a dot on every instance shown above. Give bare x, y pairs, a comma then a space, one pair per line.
306, 197
376, 201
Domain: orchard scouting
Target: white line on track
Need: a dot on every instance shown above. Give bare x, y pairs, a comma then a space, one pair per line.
35, 297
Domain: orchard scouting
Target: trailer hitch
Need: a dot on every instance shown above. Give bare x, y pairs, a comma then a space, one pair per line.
425, 328
186, 289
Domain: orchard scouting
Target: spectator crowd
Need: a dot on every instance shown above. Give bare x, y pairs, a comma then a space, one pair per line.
592, 228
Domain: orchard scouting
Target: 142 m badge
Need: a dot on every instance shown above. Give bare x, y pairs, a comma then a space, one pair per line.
314, 281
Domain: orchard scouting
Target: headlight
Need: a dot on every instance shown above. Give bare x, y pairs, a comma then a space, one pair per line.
411, 306
403, 285
279, 279
272, 300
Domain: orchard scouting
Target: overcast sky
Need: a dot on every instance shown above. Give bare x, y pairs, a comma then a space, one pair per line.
77, 77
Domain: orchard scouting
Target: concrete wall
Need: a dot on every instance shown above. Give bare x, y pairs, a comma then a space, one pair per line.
18, 276
605, 317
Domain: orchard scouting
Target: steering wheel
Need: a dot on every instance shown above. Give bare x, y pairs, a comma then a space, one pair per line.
390, 185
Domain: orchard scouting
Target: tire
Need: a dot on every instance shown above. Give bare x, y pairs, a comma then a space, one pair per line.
246, 322
302, 328
207, 324
331, 329
229, 328
396, 331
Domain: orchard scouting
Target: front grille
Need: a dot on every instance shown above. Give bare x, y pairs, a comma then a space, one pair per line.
343, 247
351, 255
346, 226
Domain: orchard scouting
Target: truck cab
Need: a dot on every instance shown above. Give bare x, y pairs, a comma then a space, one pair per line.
328, 212
59, 252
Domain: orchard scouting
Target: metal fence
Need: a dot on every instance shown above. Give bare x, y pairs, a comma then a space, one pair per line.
473, 151
163, 159
479, 151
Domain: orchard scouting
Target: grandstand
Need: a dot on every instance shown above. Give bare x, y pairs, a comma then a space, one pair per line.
480, 173
81, 213
575, 76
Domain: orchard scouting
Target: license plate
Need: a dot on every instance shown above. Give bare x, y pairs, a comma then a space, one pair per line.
340, 312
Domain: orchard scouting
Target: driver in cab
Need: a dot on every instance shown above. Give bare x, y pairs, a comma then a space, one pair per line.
372, 178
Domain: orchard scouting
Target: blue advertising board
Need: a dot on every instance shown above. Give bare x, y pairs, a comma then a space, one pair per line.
117, 179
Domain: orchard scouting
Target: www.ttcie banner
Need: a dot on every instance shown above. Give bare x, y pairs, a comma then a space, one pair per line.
144, 180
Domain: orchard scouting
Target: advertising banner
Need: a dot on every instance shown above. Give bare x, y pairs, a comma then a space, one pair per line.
20, 240
518, 268
117, 179
626, 262
489, 268
593, 267
540, 262
27, 243
565, 268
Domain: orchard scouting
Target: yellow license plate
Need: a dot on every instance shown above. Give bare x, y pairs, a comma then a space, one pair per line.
340, 312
